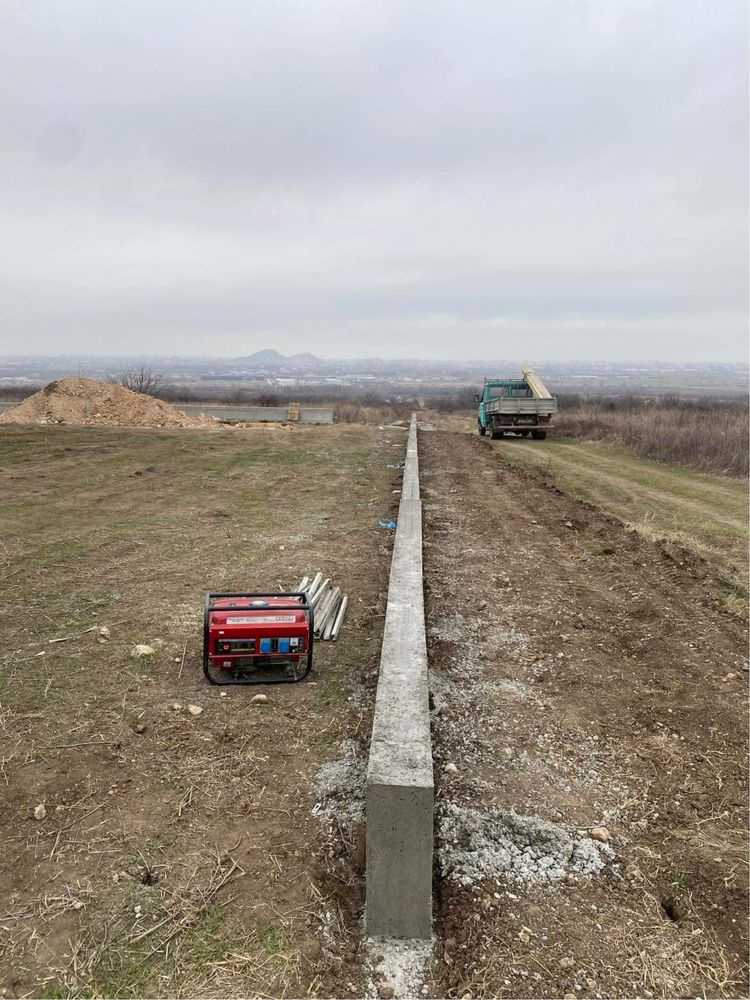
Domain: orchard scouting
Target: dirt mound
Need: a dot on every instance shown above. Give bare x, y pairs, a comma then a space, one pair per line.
82, 400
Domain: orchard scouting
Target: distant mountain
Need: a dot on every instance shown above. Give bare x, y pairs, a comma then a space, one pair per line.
273, 359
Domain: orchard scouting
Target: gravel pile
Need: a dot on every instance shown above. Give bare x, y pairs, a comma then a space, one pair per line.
476, 845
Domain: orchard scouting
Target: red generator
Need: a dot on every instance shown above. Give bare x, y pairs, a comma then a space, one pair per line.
257, 638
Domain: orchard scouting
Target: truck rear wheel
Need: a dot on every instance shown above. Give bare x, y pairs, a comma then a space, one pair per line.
539, 435
495, 433
481, 428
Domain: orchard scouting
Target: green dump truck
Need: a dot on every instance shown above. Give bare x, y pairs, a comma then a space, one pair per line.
516, 405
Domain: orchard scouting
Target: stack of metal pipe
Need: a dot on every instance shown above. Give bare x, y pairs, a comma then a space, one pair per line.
328, 603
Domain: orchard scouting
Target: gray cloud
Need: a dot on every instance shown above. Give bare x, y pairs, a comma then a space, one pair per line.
400, 178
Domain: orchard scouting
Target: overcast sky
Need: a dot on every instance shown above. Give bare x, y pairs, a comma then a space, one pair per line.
519, 178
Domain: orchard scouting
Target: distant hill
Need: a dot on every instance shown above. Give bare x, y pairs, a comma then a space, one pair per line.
273, 359
306, 359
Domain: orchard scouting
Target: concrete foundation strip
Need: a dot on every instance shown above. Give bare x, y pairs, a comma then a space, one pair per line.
400, 787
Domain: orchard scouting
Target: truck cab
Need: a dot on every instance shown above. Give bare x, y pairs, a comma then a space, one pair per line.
512, 405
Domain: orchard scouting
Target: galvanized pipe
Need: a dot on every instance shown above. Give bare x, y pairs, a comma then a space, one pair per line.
320, 594
339, 618
326, 608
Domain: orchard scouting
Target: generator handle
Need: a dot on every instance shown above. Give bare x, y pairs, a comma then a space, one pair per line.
305, 603
302, 605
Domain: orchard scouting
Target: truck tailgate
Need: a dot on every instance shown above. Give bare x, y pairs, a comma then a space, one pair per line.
543, 407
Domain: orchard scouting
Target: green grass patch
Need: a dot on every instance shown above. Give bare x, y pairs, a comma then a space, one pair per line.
334, 692
272, 938
209, 940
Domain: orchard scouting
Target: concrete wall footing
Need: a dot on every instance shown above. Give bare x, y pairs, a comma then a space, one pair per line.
400, 786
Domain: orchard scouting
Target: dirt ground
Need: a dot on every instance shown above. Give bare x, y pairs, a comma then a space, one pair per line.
179, 855
590, 677
582, 675
707, 513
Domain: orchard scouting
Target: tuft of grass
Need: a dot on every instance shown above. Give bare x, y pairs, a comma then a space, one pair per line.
272, 937
334, 692
116, 976
733, 598
208, 941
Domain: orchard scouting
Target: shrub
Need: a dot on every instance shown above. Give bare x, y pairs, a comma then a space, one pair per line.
703, 434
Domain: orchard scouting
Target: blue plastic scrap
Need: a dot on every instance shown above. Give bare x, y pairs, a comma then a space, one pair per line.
386, 524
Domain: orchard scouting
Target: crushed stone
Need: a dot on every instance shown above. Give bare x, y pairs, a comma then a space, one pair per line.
397, 965
507, 638
340, 785
454, 689
499, 843
478, 632
453, 628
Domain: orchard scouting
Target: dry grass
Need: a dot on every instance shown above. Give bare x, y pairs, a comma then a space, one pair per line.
712, 437
363, 413
166, 925
676, 961
656, 958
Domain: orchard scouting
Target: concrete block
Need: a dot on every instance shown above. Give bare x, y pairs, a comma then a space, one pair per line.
259, 413
316, 415
399, 860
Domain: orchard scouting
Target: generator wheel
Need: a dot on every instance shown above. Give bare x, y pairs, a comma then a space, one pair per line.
482, 430
539, 435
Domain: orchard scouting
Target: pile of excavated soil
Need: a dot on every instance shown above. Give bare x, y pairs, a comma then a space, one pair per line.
88, 401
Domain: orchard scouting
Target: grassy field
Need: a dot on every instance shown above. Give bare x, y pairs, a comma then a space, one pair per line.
176, 854
706, 513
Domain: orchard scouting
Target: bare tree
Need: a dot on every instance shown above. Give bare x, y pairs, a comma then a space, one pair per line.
267, 399
142, 379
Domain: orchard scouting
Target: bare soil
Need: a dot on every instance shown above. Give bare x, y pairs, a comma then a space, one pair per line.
179, 854
583, 676
589, 677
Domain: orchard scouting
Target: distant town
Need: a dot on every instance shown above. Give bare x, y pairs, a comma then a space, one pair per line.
309, 375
